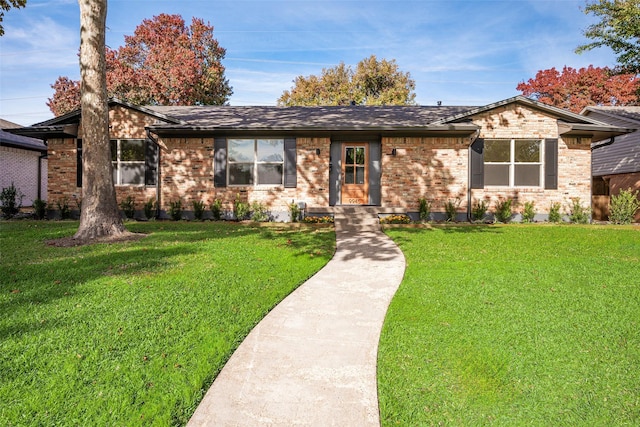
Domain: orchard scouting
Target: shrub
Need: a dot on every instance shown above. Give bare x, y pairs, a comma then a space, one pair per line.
479, 210
554, 213
623, 207
63, 208
503, 211
240, 209
40, 208
294, 211
424, 209
318, 219
451, 209
577, 213
395, 219
529, 212
11, 199
149, 207
175, 210
198, 209
216, 210
128, 207
259, 212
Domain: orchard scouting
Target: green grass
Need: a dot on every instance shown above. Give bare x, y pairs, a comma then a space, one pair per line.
134, 333
514, 325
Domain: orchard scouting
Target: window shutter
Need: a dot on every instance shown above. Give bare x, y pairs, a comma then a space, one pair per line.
477, 163
151, 162
375, 155
551, 164
78, 163
290, 169
220, 162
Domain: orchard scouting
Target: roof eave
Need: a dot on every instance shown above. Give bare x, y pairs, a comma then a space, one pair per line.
595, 132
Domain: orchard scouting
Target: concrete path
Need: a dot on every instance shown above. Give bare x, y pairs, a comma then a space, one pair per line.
312, 360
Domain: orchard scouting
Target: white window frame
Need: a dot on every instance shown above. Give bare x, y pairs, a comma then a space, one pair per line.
255, 163
118, 163
512, 162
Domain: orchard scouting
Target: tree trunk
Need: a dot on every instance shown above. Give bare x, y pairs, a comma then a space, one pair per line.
100, 216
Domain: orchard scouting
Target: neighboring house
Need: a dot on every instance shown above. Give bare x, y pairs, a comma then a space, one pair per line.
616, 161
23, 162
388, 156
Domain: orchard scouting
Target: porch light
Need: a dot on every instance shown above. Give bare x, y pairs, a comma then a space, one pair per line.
394, 152
317, 151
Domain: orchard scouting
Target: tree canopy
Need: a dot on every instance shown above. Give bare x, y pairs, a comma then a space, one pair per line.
163, 63
373, 82
5, 5
574, 89
618, 29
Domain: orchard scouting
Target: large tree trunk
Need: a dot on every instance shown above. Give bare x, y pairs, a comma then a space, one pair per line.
100, 215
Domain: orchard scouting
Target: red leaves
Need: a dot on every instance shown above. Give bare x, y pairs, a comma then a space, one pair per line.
576, 89
163, 63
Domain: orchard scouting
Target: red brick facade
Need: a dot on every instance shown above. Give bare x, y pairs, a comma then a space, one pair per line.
436, 168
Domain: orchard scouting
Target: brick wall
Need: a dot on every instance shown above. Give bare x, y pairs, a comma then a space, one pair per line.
20, 167
574, 158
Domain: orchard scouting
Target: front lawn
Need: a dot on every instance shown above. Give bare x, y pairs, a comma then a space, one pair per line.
514, 325
134, 333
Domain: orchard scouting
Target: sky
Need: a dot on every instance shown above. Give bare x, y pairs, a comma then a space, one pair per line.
459, 52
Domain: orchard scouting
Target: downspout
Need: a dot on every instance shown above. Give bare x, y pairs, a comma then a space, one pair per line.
473, 139
604, 144
155, 141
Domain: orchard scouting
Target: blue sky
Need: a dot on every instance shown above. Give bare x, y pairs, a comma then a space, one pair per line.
459, 52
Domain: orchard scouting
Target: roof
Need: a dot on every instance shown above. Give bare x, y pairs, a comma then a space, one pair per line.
18, 141
628, 112
209, 120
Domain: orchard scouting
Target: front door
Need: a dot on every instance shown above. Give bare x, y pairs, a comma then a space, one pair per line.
355, 174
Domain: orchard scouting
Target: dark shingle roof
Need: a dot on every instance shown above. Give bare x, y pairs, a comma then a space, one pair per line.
19, 141
629, 112
337, 118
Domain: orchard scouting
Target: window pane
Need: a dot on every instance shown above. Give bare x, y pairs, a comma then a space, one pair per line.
270, 150
497, 150
269, 174
131, 173
131, 150
348, 175
360, 155
241, 150
527, 151
349, 158
114, 150
359, 175
241, 174
527, 175
496, 174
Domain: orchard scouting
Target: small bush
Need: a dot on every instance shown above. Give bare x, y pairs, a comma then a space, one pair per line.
240, 209
128, 207
175, 210
259, 212
216, 210
149, 208
40, 208
479, 210
451, 209
294, 211
395, 219
11, 199
318, 219
424, 209
63, 208
503, 211
579, 214
623, 207
529, 212
554, 213
198, 209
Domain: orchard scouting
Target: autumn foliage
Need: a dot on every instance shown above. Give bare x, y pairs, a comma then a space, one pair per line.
163, 63
574, 89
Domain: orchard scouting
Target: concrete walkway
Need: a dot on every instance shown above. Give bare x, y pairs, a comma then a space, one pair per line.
312, 360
